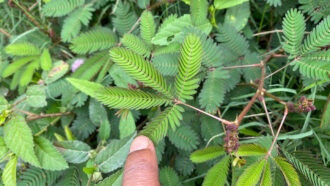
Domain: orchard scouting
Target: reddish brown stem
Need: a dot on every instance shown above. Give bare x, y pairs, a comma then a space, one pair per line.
5, 33
277, 133
47, 116
203, 112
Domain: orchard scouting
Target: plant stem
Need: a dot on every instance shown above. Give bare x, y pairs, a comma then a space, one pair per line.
5, 33
48, 115
46, 127
277, 133
18, 102
281, 68
260, 89
25, 112
265, 92
267, 115
242, 66
271, 32
203, 112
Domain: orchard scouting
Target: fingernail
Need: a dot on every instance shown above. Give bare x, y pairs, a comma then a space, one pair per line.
139, 143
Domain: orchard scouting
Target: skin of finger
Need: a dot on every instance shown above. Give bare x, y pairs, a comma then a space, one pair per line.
141, 167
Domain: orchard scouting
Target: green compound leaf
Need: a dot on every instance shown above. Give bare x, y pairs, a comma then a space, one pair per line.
147, 27
189, 66
16, 65
36, 96
184, 138
60, 8
134, 43
320, 36
23, 49
37, 176
198, 9
251, 174
114, 155
97, 39
293, 30
45, 60
222, 4
116, 97
266, 179
126, 124
17, 134
251, 150
206, 154
9, 173
48, 156
140, 69
114, 179
72, 23
168, 177
315, 65
157, 128
217, 175
73, 151
290, 174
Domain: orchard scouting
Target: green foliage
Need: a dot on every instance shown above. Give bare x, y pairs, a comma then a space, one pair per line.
317, 9
140, 69
74, 151
168, 177
97, 39
290, 174
50, 158
252, 174
319, 37
124, 18
147, 27
17, 129
135, 44
189, 65
293, 30
232, 39
157, 128
305, 163
61, 7
80, 79
114, 155
315, 65
218, 173
251, 150
36, 96
206, 154
184, 138
198, 9
9, 173
22, 49
212, 95
115, 179
72, 23
38, 177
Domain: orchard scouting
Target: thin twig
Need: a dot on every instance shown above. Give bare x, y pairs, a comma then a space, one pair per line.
25, 112
260, 89
18, 102
242, 66
219, 114
203, 112
5, 33
271, 32
277, 133
265, 92
34, 5
256, 115
267, 115
278, 70
48, 115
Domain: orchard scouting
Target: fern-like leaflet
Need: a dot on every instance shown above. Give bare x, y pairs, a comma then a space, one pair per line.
140, 69
94, 40
189, 66
293, 30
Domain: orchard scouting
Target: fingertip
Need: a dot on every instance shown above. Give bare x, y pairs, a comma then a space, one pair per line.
140, 143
